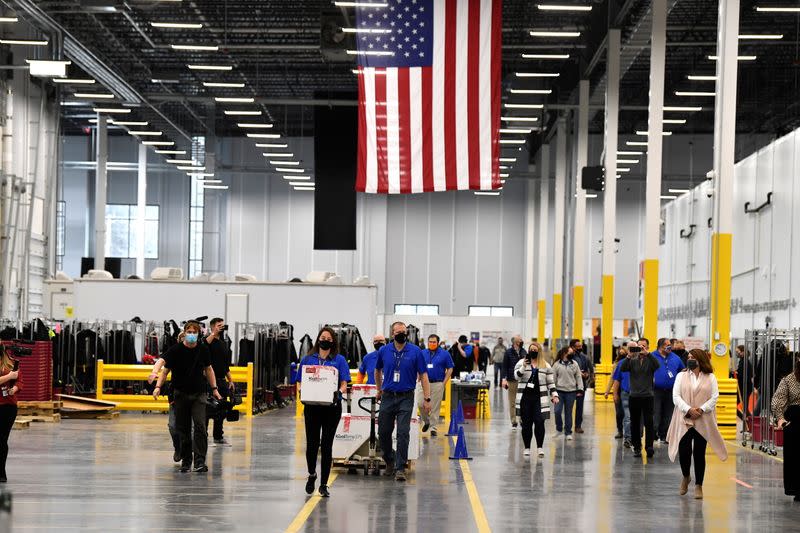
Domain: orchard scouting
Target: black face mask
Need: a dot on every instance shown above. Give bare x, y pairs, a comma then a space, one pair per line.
691, 364
400, 338
325, 345
378, 345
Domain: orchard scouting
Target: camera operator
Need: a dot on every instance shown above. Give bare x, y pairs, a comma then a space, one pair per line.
190, 364
221, 363
642, 367
10, 384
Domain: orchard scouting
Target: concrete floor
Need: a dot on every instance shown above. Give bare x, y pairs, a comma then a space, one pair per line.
118, 476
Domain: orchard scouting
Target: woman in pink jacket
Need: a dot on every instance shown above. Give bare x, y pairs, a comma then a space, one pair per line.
694, 423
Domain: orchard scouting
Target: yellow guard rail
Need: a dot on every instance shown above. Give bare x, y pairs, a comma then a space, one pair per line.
145, 402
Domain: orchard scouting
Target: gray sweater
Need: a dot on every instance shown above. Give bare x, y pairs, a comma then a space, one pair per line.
642, 372
567, 376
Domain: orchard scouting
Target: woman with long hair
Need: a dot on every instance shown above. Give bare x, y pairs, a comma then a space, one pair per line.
786, 409
10, 384
535, 392
322, 420
694, 422
569, 383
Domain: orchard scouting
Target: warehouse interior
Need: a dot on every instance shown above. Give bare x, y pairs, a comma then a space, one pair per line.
166, 160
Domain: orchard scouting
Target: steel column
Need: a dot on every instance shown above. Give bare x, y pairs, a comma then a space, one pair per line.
100, 197
579, 241
544, 250
141, 208
558, 259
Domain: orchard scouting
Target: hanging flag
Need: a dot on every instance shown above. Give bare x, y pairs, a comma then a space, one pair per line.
429, 84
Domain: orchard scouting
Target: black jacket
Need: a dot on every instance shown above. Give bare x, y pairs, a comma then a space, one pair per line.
510, 361
642, 372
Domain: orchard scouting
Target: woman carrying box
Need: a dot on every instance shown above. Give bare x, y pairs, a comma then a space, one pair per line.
323, 419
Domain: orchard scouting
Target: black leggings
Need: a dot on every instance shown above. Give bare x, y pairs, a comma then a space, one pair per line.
8, 412
322, 419
532, 419
685, 452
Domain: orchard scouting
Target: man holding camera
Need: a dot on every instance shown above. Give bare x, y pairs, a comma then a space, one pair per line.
221, 363
642, 367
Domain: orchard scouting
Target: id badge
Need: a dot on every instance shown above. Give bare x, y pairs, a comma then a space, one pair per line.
670, 374
396, 376
430, 365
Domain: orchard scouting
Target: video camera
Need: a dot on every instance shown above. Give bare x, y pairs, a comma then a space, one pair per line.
221, 409
15, 350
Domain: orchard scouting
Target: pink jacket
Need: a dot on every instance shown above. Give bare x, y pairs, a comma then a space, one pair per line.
706, 425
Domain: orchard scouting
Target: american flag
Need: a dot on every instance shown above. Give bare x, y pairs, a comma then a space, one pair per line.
429, 95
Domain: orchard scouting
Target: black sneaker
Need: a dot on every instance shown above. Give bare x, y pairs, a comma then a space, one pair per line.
618, 436
201, 469
433, 433
176, 457
389, 472
650, 452
185, 467
637, 452
400, 475
323, 491
425, 427
310, 484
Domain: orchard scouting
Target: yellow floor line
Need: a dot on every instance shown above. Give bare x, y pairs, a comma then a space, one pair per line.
756, 452
301, 518
474, 498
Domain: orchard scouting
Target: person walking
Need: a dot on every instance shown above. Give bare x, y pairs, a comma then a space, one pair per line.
10, 385
366, 370
498, 354
786, 409
440, 368
535, 392
321, 421
744, 380
510, 360
642, 366
399, 366
620, 387
694, 423
569, 384
664, 381
587, 373
221, 363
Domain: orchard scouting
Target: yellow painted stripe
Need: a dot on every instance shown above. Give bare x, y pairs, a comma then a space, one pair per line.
557, 318
651, 299
721, 250
607, 332
301, 518
735, 446
542, 317
577, 312
474, 498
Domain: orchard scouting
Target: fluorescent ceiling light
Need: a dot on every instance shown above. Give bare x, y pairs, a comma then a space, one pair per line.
545, 56
210, 67
129, 122
544, 33
537, 74
523, 106
589, 196
503, 182
627, 161
370, 53
636, 143
297, 177
9, 19
504, 167
208, 181
360, 4
531, 91
75, 81
178, 25
679, 191
158, 143
277, 154
264, 135
120, 110
304, 188
683, 108
195, 47
216, 187
487, 193
562, 7
223, 84
777, 9
376, 72
243, 113
290, 170
623, 170
516, 130
701, 78
302, 183
761, 37
164, 80
285, 163
622, 152
203, 175
181, 161
674, 121
271, 145
366, 30
694, 93
740, 58
251, 125
45, 68
94, 96
24, 42
191, 167
648, 133
512, 141
520, 119
237, 100
668, 197
174, 152
503, 175
508, 159
144, 133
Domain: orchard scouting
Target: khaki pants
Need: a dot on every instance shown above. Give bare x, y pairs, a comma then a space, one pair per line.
437, 395
512, 400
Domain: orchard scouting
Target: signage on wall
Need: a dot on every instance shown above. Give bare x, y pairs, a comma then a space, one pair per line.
701, 308
475, 336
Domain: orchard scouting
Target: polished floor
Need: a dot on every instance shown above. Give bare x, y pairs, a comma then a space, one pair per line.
117, 475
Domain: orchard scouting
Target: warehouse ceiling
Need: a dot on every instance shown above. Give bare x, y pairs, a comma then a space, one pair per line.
290, 56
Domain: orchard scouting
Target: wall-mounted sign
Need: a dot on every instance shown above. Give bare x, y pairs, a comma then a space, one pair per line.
701, 308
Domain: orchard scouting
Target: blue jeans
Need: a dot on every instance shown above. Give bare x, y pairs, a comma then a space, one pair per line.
579, 410
567, 402
624, 398
395, 408
498, 371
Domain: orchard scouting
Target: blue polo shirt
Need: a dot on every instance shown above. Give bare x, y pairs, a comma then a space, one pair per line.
315, 360
409, 362
664, 378
437, 364
624, 378
368, 366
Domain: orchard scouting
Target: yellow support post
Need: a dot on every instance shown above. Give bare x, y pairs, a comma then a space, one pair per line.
556, 319
540, 335
604, 370
651, 299
577, 312
99, 384
721, 254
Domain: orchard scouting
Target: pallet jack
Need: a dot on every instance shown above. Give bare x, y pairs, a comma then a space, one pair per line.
372, 463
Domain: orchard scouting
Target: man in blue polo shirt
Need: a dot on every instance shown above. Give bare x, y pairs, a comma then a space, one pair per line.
440, 368
664, 380
622, 398
397, 369
366, 371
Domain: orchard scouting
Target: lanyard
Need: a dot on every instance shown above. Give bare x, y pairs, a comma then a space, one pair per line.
323, 362
398, 357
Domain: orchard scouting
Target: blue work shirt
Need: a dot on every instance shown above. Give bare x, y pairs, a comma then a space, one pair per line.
437, 364
368, 366
624, 378
664, 378
315, 360
408, 362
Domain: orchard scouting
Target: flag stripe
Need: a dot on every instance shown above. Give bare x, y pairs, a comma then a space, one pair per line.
371, 131
380, 131
361, 173
450, 110
428, 157
485, 91
473, 94
404, 129
393, 130
497, 44
462, 90
438, 94
415, 133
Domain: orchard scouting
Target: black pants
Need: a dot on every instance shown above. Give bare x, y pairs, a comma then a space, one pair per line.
662, 412
619, 411
190, 411
641, 407
791, 452
8, 412
532, 419
693, 445
321, 419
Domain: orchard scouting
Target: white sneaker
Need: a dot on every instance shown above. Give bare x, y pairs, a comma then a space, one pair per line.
569, 437
527, 452
540, 452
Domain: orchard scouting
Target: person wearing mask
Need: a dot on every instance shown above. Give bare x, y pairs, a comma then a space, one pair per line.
10, 385
321, 421
483, 358
694, 424
786, 409
510, 360
587, 373
366, 371
569, 384
535, 392
669, 367
642, 366
399, 366
462, 356
440, 368
221, 363
190, 365
498, 354
620, 387
679, 349
744, 379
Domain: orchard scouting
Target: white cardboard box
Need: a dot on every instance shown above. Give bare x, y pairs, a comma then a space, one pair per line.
318, 384
353, 433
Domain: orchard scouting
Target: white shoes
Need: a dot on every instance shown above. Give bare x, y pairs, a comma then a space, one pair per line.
540, 452
569, 437
527, 452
